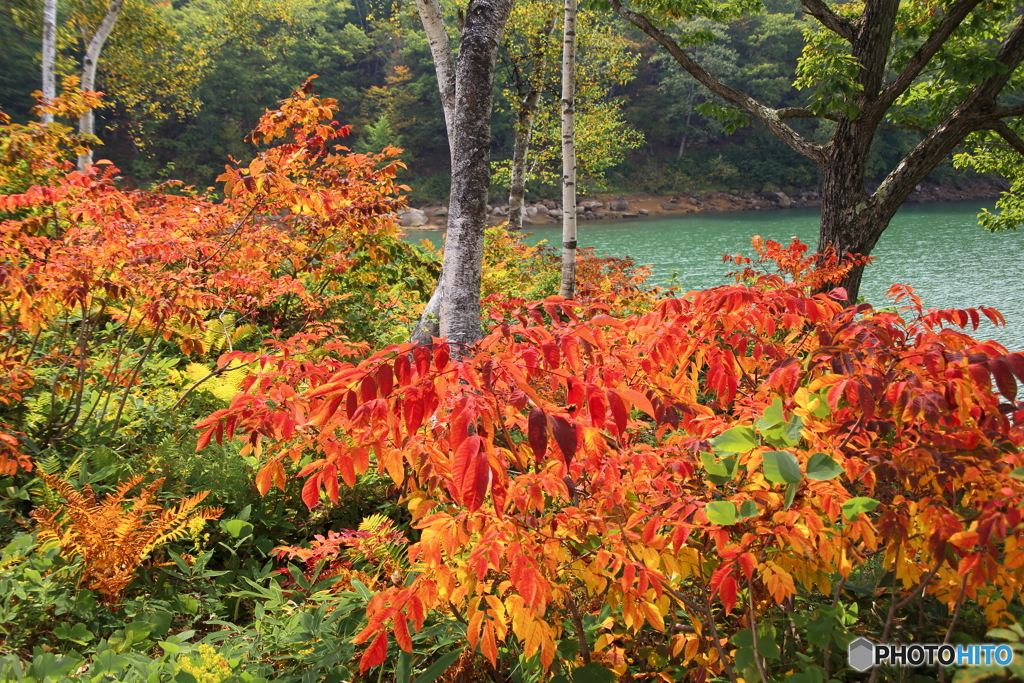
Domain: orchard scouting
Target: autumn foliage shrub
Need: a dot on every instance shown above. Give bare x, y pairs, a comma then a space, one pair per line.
671, 493
106, 292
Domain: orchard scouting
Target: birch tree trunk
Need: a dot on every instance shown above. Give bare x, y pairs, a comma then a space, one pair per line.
444, 66
568, 286
457, 298
86, 124
517, 185
49, 54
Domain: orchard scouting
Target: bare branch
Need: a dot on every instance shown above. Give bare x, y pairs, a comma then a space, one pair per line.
768, 116
802, 113
954, 17
1007, 134
1008, 112
841, 26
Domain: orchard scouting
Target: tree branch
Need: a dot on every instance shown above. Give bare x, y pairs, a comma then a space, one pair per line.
1007, 134
841, 26
766, 115
975, 112
441, 50
1008, 112
803, 113
954, 17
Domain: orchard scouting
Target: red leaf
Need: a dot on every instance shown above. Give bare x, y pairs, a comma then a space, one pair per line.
574, 396
839, 294
1016, 361
565, 436
351, 404
385, 380
330, 481
376, 653
461, 418
204, 438
618, 410
597, 405
347, 469
421, 356
311, 490
471, 473
552, 354
979, 373
1004, 378
538, 432
413, 411
639, 401
403, 371
368, 389
441, 355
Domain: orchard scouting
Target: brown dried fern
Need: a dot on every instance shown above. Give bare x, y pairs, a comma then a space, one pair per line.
114, 540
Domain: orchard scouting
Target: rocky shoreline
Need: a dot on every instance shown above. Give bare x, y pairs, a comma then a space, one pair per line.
625, 207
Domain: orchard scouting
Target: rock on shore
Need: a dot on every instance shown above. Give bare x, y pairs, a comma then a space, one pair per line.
549, 212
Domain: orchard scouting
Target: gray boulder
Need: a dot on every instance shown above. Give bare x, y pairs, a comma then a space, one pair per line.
412, 218
619, 204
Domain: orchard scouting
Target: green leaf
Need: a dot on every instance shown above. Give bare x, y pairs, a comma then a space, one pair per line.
719, 471
593, 673
790, 495
772, 416
435, 670
1018, 473
721, 512
767, 647
748, 509
781, 467
238, 528
1003, 634
854, 506
744, 638
735, 440
403, 673
822, 468
794, 427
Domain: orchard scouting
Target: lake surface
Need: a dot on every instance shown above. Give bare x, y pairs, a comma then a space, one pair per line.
939, 249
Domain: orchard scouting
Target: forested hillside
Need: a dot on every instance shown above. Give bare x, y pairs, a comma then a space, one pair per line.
185, 81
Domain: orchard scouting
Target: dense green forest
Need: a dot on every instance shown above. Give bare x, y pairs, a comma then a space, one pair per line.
223, 63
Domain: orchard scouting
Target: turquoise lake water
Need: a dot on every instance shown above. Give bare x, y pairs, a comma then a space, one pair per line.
939, 249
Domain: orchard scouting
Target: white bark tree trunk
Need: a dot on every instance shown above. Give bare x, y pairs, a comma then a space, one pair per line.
517, 185
49, 54
454, 308
444, 65
86, 124
441, 50
568, 286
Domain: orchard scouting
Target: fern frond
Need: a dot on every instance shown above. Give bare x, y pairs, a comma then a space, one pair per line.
114, 540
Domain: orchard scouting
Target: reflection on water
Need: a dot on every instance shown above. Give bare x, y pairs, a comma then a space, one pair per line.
938, 249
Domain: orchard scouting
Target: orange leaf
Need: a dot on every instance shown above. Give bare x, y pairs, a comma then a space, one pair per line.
376, 653
471, 474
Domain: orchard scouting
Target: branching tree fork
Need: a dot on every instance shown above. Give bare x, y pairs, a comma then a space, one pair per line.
466, 94
852, 218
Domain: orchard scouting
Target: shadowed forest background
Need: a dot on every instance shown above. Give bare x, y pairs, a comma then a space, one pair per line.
185, 82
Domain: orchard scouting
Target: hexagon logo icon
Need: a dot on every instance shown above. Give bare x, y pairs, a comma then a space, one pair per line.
861, 654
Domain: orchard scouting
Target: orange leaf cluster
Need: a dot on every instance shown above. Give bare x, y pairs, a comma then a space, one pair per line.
643, 461
162, 262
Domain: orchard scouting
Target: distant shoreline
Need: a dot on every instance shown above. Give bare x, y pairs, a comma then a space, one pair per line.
636, 206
